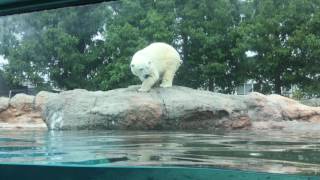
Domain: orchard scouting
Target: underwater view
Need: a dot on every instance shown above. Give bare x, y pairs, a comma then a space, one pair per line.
272, 152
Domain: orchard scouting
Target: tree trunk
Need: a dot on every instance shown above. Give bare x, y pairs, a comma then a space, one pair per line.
277, 79
210, 84
277, 85
184, 47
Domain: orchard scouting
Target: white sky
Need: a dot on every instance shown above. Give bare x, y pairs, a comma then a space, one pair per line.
2, 61
251, 53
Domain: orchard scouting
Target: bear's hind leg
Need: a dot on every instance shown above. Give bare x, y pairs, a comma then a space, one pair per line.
169, 74
167, 78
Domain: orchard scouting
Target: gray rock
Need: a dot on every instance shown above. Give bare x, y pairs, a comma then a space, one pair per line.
176, 108
42, 98
20, 113
311, 102
22, 102
4, 103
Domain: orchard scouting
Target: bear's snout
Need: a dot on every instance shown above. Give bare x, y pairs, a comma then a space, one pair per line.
146, 76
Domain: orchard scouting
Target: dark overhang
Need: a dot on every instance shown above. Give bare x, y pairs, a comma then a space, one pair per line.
8, 7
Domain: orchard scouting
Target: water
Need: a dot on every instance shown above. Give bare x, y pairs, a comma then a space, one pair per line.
282, 153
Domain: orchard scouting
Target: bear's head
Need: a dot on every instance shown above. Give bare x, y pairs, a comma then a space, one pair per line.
141, 66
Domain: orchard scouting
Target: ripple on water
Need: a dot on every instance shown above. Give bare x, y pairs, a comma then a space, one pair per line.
279, 152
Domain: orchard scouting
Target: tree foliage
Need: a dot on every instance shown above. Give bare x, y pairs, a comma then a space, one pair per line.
275, 30
91, 46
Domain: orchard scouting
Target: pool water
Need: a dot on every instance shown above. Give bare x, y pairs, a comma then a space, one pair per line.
292, 154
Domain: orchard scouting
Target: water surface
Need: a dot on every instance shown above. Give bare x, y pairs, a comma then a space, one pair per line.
295, 153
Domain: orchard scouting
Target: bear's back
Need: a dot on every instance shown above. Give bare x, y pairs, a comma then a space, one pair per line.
161, 51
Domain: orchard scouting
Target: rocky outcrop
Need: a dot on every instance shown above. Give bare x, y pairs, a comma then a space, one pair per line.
4, 103
23, 111
176, 108
22, 102
311, 102
41, 99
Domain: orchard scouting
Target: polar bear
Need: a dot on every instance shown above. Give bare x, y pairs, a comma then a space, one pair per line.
158, 61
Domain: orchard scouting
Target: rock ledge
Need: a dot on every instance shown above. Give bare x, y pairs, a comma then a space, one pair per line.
176, 108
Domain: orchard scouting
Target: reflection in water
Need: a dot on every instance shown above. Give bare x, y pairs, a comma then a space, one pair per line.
278, 152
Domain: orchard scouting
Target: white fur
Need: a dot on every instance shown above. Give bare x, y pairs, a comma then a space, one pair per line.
158, 61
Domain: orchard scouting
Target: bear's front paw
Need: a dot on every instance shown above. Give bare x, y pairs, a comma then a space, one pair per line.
143, 90
165, 85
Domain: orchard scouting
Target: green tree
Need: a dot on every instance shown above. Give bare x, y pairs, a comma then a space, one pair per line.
205, 30
54, 45
305, 44
91, 46
270, 30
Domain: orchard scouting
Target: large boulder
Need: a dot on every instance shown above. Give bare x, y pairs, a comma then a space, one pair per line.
19, 112
311, 102
176, 108
42, 98
4, 103
22, 102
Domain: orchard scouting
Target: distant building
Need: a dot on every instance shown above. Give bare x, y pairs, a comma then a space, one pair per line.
7, 92
245, 88
248, 87
288, 92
